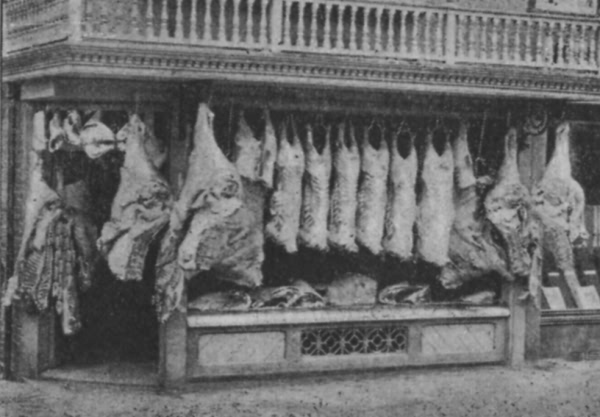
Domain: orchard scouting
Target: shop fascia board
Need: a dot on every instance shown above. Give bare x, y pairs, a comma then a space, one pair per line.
197, 64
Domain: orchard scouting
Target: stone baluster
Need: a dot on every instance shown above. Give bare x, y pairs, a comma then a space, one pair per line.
287, 26
426, 34
164, 20
472, 37
149, 19
527, 33
263, 22
235, 27
439, 35
312, 32
249, 25
301, 11
594, 48
206, 29
573, 45
451, 38
414, 30
221, 34
560, 58
506, 55
378, 30
352, 43
460, 34
539, 49
179, 20
193, 20
364, 39
389, 46
339, 41
327, 27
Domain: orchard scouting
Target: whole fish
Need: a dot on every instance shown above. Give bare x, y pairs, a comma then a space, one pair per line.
401, 210
342, 211
372, 194
286, 201
315, 193
436, 208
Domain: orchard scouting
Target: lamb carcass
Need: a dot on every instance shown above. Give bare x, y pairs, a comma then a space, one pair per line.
140, 209
559, 201
343, 204
247, 151
268, 153
473, 253
286, 201
401, 211
372, 192
315, 192
436, 208
508, 207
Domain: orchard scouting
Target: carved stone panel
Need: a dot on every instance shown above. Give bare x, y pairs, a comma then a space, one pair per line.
458, 339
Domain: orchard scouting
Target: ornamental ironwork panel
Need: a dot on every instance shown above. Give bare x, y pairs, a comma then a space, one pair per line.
352, 341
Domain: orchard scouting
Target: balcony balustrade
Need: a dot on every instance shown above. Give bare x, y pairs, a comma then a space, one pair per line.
369, 29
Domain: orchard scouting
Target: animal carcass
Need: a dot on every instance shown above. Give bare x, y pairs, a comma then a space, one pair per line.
268, 153
222, 236
298, 295
436, 209
315, 192
404, 293
343, 204
508, 208
473, 254
401, 209
372, 192
559, 201
140, 209
286, 201
247, 151
352, 289
221, 301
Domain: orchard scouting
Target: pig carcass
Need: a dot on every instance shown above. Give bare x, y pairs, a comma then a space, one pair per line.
473, 253
435, 213
401, 209
140, 209
315, 192
508, 208
372, 192
343, 204
286, 202
559, 202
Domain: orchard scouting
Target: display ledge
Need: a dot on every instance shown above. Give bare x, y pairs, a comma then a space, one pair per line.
570, 316
278, 317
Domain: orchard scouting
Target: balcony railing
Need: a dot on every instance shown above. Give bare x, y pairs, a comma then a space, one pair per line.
368, 29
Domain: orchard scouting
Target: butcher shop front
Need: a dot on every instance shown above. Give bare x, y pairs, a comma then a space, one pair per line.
197, 189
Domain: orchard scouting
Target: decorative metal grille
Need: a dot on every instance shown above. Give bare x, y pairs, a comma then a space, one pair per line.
350, 341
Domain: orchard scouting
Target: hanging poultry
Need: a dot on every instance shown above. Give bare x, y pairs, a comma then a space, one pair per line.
140, 209
286, 201
401, 211
315, 192
222, 234
508, 208
473, 253
343, 204
372, 191
436, 208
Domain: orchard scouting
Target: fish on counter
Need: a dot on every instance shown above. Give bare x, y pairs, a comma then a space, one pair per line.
343, 204
435, 213
285, 205
268, 153
372, 191
140, 209
315, 192
401, 211
473, 252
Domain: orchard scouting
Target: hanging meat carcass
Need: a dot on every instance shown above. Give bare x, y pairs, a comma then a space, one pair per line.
343, 204
222, 236
315, 191
401, 209
140, 209
508, 208
247, 151
436, 209
268, 153
473, 253
286, 201
372, 191
559, 201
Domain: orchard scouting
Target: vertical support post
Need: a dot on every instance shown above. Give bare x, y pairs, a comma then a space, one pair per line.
517, 329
